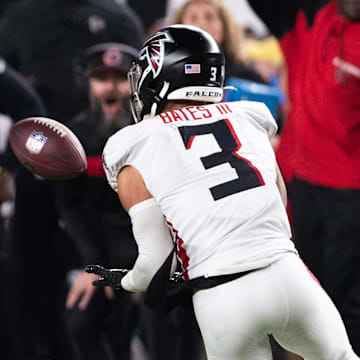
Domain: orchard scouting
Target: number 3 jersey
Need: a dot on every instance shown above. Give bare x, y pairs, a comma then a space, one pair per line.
212, 171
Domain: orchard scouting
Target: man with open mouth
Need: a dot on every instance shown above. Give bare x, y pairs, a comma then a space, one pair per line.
105, 67
96, 223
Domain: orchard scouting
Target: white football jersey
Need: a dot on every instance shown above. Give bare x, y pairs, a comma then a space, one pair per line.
212, 171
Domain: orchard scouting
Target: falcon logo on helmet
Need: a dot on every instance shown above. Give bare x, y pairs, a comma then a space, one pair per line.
154, 51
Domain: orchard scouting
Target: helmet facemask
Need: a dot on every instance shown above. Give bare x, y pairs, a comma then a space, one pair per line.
136, 105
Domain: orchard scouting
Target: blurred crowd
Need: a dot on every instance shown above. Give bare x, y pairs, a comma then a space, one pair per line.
68, 60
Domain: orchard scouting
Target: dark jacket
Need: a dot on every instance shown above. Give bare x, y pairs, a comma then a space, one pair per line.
18, 100
91, 211
40, 38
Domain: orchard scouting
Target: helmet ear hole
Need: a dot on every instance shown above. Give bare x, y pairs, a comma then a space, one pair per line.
136, 104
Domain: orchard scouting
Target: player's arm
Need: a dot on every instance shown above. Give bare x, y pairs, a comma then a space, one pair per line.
150, 231
131, 188
281, 185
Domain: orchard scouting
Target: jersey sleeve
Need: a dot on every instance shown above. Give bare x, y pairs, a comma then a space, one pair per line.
115, 156
261, 114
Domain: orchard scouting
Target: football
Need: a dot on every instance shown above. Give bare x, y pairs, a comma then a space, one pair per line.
48, 148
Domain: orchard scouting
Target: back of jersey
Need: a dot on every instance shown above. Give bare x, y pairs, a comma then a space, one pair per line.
212, 171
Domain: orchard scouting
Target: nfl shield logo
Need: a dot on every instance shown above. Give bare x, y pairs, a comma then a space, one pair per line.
35, 142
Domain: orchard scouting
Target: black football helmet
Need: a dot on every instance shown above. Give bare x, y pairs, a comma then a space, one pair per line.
178, 63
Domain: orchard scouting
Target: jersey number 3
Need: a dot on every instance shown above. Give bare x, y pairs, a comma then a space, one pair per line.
248, 175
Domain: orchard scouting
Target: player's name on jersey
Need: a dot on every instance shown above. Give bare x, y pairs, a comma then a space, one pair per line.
190, 113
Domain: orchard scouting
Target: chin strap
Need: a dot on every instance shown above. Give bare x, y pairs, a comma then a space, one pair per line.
160, 99
230, 87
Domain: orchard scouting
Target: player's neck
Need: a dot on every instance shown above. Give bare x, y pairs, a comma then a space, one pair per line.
175, 105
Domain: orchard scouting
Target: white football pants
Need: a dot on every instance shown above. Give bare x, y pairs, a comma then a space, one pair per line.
282, 299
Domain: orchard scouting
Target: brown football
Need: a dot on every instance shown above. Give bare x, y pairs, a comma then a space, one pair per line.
48, 148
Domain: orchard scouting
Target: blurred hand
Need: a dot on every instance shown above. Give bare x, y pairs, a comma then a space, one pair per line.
275, 140
5, 190
82, 290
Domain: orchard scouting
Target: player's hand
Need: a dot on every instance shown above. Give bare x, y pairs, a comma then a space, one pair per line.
5, 188
108, 277
112, 277
82, 291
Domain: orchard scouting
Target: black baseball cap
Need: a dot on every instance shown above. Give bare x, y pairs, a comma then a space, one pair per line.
105, 56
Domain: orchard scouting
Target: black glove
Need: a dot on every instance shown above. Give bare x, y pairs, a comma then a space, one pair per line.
109, 277
112, 277
176, 279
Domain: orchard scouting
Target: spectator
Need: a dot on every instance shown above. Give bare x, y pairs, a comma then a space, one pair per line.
213, 17
51, 32
100, 323
266, 57
17, 91
18, 100
42, 48
319, 151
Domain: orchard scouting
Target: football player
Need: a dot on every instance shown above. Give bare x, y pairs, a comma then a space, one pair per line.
206, 171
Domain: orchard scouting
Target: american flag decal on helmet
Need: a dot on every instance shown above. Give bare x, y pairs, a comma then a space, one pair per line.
154, 51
